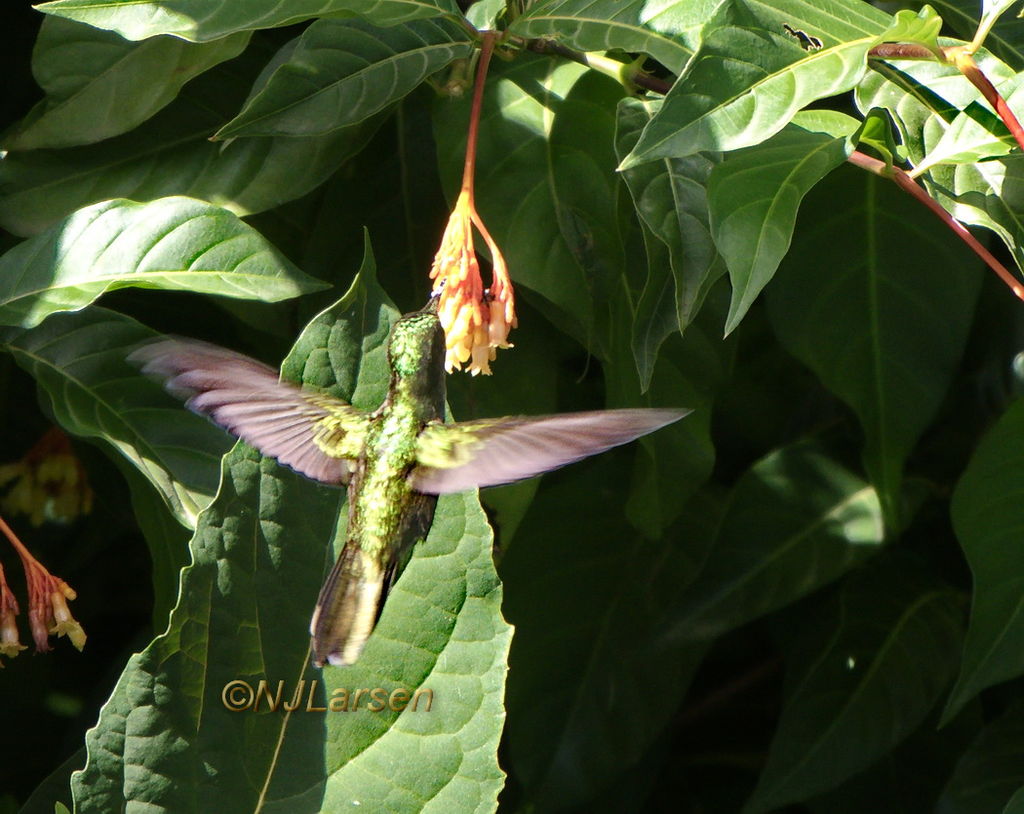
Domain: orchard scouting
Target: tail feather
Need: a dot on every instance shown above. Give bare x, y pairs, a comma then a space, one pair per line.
348, 608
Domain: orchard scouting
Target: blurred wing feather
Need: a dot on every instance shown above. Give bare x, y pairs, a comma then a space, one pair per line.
468, 454
312, 433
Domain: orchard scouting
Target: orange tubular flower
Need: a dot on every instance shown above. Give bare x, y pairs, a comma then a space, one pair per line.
48, 612
476, 320
10, 646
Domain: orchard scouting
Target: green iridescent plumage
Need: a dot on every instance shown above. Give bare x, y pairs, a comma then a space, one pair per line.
395, 460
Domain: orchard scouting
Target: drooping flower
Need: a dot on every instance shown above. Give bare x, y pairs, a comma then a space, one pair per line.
10, 645
48, 612
476, 320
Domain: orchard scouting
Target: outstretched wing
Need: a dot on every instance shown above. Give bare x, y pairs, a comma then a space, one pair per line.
315, 434
467, 454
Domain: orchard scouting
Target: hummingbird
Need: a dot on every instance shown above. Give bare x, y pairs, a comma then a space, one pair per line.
395, 460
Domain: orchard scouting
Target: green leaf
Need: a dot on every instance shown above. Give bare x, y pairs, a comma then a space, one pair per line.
795, 522
990, 771
987, 516
722, 102
545, 181
925, 98
877, 132
753, 197
671, 199
341, 72
92, 77
878, 661
177, 244
78, 361
259, 554
203, 20
171, 154
588, 598
669, 31
1005, 40
881, 327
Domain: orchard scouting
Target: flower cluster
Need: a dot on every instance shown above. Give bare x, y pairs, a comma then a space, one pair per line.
48, 483
476, 320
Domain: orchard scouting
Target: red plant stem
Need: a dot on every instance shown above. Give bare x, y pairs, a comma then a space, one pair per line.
910, 186
969, 68
469, 167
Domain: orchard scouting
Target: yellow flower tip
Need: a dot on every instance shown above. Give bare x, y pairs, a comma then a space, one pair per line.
10, 645
64, 624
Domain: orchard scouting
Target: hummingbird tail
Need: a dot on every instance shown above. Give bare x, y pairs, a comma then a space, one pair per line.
349, 605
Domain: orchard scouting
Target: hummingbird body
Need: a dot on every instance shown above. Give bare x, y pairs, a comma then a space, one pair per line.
395, 460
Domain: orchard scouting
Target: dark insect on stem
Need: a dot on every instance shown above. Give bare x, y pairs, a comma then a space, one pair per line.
807, 42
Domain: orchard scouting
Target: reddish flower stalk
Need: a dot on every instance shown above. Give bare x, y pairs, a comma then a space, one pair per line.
910, 186
48, 612
476, 320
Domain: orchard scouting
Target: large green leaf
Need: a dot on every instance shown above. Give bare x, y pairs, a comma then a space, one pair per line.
588, 598
545, 181
795, 521
668, 30
724, 101
871, 319
988, 514
1005, 40
78, 361
341, 72
203, 20
171, 154
92, 77
671, 198
879, 660
990, 771
169, 737
753, 197
178, 244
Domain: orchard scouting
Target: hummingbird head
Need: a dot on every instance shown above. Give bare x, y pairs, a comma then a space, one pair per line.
416, 354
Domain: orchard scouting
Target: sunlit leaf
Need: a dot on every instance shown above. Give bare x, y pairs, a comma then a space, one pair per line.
177, 244
203, 20
341, 72
668, 30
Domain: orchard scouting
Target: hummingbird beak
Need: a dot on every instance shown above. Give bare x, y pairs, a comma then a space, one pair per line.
434, 301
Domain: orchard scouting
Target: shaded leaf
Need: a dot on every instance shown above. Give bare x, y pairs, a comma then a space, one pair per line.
203, 20
341, 72
172, 155
878, 663
177, 244
987, 515
671, 198
871, 319
587, 597
92, 78
668, 30
990, 771
258, 558
753, 197
794, 522
78, 361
